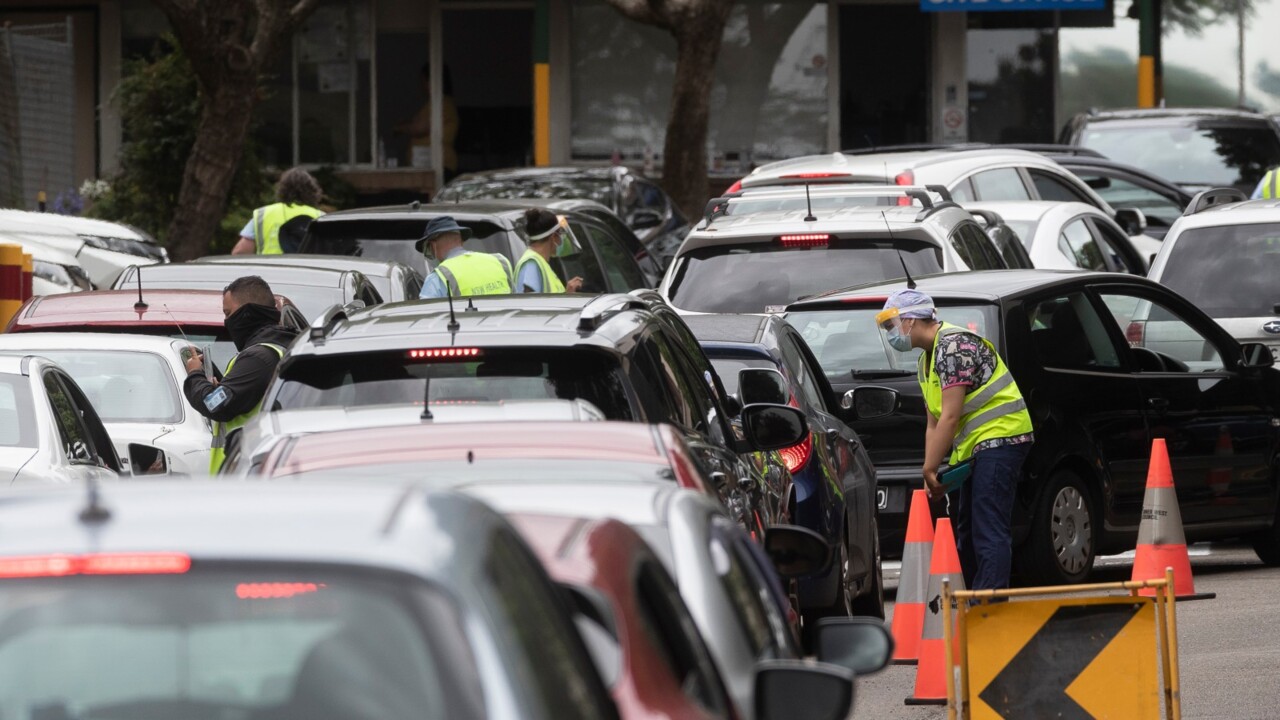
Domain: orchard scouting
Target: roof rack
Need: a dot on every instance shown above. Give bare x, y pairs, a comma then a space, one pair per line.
323, 325
916, 147
602, 308
783, 192
648, 296
1212, 198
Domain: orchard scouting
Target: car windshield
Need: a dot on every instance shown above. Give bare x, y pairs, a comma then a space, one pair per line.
123, 386
381, 378
17, 428
395, 239
218, 641
1228, 271
1159, 209
767, 276
566, 187
1223, 155
847, 342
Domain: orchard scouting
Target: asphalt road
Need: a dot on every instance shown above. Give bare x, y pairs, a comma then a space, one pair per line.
1229, 647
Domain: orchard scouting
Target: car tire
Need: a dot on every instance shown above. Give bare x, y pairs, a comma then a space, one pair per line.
871, 602
1062, 544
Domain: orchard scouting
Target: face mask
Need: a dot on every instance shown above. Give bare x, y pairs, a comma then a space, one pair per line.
245, 322
899, 341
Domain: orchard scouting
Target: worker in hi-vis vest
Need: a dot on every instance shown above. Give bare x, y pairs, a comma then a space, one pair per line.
547, 233
1269, 187
280, 227
975, 413
232, 398
460, 271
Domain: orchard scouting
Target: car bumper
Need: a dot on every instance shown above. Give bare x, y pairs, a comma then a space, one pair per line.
893, 500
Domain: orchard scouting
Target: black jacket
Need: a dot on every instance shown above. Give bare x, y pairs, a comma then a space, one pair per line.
249, 378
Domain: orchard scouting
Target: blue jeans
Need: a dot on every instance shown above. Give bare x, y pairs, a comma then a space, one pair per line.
983, 513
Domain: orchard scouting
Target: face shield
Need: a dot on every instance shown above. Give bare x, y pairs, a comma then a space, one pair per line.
891, 320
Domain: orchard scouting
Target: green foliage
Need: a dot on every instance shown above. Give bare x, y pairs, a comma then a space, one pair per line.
1193, 16
1108, 78
158, 100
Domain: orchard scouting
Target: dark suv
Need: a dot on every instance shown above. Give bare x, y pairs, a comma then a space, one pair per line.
629, 355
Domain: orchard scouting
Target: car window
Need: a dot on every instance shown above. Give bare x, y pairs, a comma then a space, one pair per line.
1161, 211
77, 445
1111, 240
963, 191
1067, 332
1182, 153
749, 598
688, 386
656, 386
1151, 327
975, 248
1010, 247
123, 386
17, 425
619, 265
1000, 184
801, 376
577, 259
412, 284
1077, 244
1052, 187
1227, 271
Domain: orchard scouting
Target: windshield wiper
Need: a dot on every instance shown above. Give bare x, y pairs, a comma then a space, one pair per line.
881, 373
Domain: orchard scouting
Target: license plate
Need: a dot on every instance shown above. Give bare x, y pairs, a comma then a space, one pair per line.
882, 498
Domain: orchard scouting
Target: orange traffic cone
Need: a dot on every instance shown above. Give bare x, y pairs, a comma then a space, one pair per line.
913, 582
931, 673
1161, 542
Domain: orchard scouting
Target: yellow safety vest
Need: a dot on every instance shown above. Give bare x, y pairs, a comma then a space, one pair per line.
550, 283
1271, 184
995, 410
473, 273
268, 220
221, 430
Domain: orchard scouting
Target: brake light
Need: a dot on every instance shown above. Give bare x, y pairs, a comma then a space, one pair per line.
797, 456
906, 177
274, 590
686, 474
881, 299
1136, 333
734, 188
40, 566
443, 353
813, 176
805, 240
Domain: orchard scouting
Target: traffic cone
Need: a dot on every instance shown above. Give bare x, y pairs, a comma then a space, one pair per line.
913, 582
1161, 542
931, 673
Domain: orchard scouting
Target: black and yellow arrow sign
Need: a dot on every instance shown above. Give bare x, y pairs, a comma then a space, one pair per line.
1060, 658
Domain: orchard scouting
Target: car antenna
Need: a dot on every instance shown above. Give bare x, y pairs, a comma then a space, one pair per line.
426, 398
453, 325
141, 305
911, 283
471, 307
808, 204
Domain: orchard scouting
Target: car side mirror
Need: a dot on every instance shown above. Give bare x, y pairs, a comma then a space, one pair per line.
645, 219
1133, 220
1256, 355
824, 691
147, 460
869, 402
795, 551
773, 427
1098, 183
763, 385
860, 644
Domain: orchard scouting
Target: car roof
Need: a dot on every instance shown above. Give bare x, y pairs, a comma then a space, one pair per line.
368, 266
374, 524
638, 503
220, 271
72, 224
883, 166
980, 286
536, 173
507, 211
325, 419
1249, 212
1035, 210
34, 342
35, 245
203, 307
856, 219
1172, 113
11, 363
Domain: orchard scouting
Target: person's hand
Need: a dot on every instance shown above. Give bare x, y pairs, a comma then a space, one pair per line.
574, 285
193, 359
931, 483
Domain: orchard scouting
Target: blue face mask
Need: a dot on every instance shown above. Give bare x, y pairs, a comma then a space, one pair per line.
900, 342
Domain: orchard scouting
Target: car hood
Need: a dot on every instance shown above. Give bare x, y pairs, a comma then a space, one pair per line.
11, 461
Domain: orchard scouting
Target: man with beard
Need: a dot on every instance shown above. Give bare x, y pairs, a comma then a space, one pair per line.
231, 399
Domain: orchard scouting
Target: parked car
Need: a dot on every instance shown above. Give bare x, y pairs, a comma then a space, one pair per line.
313, 290
1125, 186
102, 248
1224, 259
763, 261
394, 281
191, 315
627, 355
358, 600
1070, 236
763, 359
1197, 148
637, 201
134, 382
53, 271
602, 256
49, 431
1098, 392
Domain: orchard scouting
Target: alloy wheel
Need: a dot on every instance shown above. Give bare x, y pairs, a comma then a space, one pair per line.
1071, 530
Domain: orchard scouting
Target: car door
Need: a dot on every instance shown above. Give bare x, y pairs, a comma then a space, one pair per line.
1080, 247
1216, 418
975, 248
999, 184
575, 258
1056, 188
1123, 255
619, 266
80, 432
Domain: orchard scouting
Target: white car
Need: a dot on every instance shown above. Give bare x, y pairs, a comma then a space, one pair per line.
134, 382
103, 248
1068, 236
49, 431
53, 270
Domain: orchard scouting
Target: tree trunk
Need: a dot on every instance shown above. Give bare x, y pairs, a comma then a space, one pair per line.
684, 152
224, 122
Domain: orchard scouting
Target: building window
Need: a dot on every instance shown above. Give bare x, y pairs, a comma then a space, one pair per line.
769, 99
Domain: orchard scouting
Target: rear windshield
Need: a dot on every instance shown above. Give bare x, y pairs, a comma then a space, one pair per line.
234, 643
395, 240
572, 188
123, 386
201, 336
849, 345
1227, 271
17, 426
1225, 155
513, 373
767, 277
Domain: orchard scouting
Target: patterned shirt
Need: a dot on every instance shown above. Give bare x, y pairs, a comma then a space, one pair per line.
964, 359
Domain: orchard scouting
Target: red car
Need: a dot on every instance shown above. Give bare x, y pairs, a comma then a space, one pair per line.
631, 616
195, 315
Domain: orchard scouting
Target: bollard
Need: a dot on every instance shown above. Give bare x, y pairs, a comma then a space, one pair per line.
28, 268
10, 282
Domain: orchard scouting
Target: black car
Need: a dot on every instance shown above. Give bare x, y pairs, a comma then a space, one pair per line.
760, 358
1106, 362
395, 281
603, 255
1197, 148
641, 204
312, 289
1125, 186
629, 355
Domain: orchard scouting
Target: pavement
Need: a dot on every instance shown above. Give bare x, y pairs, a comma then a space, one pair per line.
1229, 647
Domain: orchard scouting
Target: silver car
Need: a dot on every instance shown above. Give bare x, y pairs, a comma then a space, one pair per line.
1072, 236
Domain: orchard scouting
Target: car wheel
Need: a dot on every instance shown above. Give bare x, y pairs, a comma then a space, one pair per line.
871, 601
1060, 548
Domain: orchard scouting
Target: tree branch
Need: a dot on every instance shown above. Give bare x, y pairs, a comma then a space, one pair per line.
642, 11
